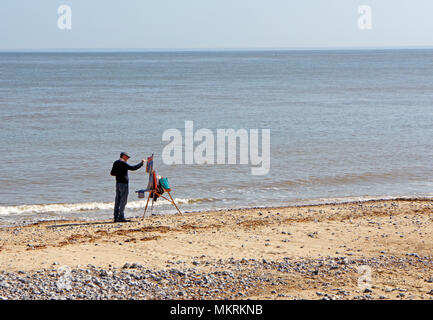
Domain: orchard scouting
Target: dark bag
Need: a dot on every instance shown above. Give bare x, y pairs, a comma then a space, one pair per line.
158, 193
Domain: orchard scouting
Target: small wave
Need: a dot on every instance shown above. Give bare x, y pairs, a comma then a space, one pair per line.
357, 199
64, 208
349, 178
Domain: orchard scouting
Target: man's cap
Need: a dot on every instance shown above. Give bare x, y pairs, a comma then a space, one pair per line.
124, 154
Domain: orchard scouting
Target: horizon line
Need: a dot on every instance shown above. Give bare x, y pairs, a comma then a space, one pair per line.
192, 49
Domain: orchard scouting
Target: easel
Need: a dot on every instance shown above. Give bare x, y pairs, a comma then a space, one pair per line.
152, 188
161, 196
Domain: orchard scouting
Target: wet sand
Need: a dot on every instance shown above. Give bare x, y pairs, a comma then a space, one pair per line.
301, 252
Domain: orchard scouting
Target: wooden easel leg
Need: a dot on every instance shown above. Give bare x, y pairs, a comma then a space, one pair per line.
172, 201
145, 208
151, 208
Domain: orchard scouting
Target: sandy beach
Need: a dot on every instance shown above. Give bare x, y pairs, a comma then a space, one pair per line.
299, 252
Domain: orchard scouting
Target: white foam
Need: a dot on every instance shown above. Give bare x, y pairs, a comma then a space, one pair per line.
62, 208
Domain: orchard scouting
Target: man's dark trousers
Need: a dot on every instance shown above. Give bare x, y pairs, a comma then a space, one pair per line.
122, 190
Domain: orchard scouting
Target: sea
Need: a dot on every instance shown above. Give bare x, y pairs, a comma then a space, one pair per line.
345, 125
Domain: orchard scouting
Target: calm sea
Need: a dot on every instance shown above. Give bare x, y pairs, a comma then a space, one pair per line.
344, 125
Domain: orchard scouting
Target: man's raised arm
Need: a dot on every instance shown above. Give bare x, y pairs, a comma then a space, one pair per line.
137, 166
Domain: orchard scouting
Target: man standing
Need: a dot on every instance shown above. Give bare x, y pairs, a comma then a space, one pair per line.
120, 171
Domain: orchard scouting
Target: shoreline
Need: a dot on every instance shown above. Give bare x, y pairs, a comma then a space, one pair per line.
349, 200
296, 252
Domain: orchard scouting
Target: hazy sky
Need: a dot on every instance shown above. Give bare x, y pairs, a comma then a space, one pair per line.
124, 24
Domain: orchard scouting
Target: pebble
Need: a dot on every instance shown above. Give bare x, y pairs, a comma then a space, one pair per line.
226, 279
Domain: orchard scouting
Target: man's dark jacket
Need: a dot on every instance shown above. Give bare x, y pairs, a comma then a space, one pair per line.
120, 170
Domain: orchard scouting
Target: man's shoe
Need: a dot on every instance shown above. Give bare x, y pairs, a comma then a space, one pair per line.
123, 220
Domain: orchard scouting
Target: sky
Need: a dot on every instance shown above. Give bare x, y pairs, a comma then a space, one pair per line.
214, 24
